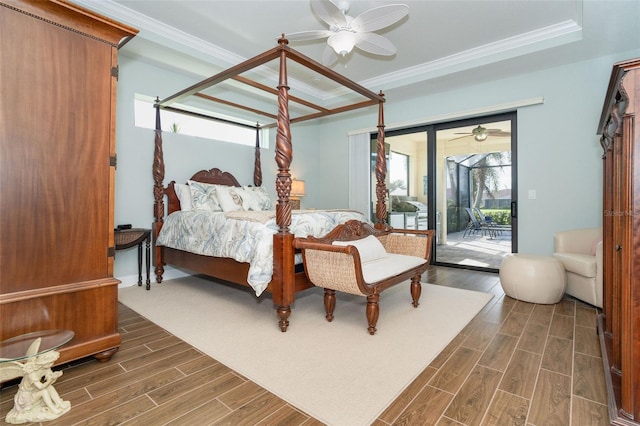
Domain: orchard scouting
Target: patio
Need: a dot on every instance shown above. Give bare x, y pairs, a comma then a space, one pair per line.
475, 249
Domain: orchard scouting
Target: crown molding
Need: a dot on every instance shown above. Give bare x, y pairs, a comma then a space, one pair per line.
552, 36
154, 30
544, 38
165, 35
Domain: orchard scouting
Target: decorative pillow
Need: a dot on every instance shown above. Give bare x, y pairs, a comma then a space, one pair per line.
250, 199
203, 196
369, 248
184, 196
228, 198
262, 195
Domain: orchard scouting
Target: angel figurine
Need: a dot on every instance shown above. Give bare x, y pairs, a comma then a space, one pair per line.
36, 399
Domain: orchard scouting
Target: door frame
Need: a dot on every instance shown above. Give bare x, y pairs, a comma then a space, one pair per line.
430, 130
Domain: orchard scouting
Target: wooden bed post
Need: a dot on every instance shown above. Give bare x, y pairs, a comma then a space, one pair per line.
283, 251
381, 171
257, 167
158, 193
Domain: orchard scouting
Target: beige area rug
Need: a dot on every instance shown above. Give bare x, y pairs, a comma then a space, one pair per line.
335, 372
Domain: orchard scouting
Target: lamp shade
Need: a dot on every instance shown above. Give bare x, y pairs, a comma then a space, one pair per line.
297, 188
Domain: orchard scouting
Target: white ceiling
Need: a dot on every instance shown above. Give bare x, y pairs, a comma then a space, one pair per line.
441, 44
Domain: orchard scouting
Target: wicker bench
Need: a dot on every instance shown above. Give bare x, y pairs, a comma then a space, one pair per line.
358, 259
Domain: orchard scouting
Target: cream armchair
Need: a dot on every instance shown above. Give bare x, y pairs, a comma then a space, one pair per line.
580, 251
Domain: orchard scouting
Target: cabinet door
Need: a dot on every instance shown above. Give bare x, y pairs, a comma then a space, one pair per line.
55, 129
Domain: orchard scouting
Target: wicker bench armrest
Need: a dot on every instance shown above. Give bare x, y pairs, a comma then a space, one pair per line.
410, 245
335, 269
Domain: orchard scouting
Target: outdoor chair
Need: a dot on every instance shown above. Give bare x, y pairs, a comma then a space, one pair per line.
475, 225
488, 220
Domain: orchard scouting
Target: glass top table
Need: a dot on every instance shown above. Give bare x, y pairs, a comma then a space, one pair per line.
15, 348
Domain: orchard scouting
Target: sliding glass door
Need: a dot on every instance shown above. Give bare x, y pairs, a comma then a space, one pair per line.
474, 193
457, 178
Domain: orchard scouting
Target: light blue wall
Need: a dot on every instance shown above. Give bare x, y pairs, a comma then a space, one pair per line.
558, 151
183, 155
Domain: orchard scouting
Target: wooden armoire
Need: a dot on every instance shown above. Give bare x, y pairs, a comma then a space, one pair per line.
58, 75
619, 323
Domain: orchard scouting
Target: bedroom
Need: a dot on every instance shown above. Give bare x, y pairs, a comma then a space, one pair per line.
554, 136
565, 144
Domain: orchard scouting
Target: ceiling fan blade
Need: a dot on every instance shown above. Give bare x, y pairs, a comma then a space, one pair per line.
499, 133
379, 17
329, 13
374, 43
308, 35
329, 56
459, 137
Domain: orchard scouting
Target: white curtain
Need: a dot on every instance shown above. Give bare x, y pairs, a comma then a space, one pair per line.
360, 173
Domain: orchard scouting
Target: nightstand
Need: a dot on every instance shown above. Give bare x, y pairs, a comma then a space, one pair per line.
126, 238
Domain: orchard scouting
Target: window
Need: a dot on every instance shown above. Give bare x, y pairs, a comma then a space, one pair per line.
145, 116
398, 174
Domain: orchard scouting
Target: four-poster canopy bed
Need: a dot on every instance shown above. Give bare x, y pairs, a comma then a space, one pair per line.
286, 279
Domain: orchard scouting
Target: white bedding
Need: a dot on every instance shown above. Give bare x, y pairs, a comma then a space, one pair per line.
245, 236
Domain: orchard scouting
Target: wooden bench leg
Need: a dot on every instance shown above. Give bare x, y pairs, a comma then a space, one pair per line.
373, 310
416, 290
283, 315
329, 303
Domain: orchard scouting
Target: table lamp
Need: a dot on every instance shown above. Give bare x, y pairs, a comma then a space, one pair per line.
297, 191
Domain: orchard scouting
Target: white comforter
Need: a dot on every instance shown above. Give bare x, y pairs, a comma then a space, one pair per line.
245, 236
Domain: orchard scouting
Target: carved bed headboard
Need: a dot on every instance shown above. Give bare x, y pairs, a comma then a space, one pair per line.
213, 176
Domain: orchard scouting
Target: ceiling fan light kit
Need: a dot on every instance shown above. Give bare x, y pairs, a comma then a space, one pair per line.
480, 134
342, 42
346, 32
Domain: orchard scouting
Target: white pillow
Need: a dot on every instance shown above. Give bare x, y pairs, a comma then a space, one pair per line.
230, 198
369, 248
262, 195
251, 201
203, 196
184, 196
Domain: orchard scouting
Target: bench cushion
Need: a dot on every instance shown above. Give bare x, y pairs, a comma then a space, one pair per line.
369, 248
393, 264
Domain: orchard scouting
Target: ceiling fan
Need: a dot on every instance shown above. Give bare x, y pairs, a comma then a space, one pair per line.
482, 133
346, 32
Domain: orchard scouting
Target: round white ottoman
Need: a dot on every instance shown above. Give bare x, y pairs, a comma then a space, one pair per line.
532, 278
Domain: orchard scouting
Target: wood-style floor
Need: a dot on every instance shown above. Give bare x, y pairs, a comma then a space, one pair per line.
516, 363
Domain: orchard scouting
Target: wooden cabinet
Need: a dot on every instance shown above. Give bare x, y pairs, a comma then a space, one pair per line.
619, 323
58, 76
